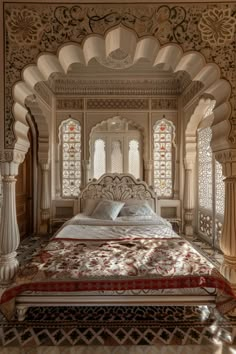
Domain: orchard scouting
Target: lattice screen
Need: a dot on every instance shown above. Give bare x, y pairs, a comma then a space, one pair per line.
163, 172
71, 158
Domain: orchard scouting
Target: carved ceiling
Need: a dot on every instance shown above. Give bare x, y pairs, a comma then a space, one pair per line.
109, 82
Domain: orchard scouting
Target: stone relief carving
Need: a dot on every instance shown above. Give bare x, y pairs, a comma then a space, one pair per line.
69, 103
217, 26
117, 187
139, 104
195, 27
164, 103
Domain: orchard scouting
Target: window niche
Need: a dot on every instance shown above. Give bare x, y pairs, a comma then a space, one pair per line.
70, 157
163, 145
116, 146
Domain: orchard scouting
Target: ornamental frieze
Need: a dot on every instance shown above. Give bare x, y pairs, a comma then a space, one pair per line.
164, 104
34, 28
69, 103
136, 104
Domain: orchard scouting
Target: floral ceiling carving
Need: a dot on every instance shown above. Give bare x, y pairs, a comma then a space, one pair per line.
31, 29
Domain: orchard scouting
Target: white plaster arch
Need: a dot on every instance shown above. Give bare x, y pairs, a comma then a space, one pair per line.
121, 48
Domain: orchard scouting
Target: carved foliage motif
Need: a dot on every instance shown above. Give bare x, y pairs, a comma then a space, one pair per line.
217, 26
117, 187
35, 28
138, 104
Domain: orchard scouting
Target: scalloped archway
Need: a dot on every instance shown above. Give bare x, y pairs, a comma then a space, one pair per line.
119, 49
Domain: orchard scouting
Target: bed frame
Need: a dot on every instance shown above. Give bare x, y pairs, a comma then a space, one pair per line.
119, 187
115, 187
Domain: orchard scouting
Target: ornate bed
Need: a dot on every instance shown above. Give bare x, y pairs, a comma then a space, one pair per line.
128, 260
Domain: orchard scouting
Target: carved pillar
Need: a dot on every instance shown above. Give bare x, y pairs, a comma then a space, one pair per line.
9, 231
86, 171
148, 167
45, 198
188, 197
228, 238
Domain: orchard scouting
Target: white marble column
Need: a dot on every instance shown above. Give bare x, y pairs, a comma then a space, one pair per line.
148, 167
9, 231
45, 198
228, 238
188, 199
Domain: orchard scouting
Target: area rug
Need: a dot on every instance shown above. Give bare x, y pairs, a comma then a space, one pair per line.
149, 325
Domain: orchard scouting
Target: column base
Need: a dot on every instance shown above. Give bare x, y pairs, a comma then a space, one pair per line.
188, 230
43, 229
8, 267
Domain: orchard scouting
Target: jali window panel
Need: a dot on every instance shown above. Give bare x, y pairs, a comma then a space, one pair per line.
71, 157
211, 190
164, 133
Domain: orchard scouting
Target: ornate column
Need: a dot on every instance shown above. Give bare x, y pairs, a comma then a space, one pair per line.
189, 195
45, 198
148, 167
228, 238
9, 231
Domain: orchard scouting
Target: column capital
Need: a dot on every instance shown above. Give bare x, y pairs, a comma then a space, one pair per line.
44, 165
227, 158
9, 168
12, 156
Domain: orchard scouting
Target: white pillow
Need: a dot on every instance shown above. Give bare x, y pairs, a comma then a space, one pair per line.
107, 210
143, 209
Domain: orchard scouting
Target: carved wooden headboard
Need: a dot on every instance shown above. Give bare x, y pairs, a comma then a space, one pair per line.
118, 186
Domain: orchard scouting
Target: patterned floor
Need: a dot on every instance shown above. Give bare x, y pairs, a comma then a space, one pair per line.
147, 327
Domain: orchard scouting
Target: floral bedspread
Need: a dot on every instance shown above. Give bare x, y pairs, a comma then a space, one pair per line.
91, 265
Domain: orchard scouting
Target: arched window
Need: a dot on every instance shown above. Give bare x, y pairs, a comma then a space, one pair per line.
134, 158
211, 189
70, 137
163, 158
116, 147
116, 157
99, 158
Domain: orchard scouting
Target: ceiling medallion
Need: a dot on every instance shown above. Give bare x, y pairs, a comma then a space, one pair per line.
117, 59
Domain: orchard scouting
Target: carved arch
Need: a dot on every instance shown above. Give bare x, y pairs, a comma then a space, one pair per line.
121, 48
